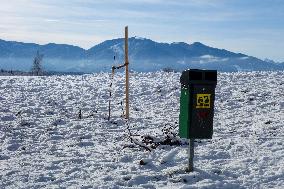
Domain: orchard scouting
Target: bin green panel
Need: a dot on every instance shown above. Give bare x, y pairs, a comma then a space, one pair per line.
183, 116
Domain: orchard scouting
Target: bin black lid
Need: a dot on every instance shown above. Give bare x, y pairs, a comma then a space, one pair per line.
196, 76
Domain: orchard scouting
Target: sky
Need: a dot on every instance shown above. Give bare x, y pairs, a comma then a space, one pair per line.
252, 27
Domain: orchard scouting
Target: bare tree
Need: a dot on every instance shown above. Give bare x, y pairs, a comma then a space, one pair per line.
37, 64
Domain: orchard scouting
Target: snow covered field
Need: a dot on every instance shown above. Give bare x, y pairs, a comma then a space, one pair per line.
43, 143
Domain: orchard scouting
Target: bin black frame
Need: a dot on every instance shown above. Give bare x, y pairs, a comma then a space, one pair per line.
200, 82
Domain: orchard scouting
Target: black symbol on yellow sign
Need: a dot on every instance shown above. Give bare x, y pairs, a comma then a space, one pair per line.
203, 101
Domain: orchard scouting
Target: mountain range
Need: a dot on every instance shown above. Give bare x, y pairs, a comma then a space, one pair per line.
144, 55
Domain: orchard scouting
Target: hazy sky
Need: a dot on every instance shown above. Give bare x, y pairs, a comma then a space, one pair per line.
253, 27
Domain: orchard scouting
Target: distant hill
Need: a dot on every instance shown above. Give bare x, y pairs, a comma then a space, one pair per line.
51, 50
144, 55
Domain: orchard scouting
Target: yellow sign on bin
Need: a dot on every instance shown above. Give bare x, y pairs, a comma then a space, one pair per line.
203, 100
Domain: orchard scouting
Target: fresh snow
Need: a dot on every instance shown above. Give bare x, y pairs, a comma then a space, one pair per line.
44, 144
139, 38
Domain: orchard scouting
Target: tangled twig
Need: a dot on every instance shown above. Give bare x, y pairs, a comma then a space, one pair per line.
149, 142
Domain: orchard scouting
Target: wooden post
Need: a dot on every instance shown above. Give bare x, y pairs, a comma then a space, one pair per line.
126, 74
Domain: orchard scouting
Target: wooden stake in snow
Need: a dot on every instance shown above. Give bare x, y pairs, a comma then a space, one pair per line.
126, 74
126, 63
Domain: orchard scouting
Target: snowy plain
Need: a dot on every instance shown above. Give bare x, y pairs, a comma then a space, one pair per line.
44, 143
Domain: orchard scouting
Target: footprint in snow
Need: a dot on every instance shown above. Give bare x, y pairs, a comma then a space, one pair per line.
8, 118
13, 147
169, 156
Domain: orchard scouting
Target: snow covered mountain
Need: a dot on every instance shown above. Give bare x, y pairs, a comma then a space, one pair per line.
145, 55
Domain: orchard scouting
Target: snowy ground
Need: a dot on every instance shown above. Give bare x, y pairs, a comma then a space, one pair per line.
43, 143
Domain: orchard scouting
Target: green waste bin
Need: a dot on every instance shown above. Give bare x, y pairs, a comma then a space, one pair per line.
197, 103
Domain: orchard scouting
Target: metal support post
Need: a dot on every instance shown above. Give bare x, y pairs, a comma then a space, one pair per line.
190, 155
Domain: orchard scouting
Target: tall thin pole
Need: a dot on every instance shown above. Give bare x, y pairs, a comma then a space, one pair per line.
110, 86
190, 155
126, 75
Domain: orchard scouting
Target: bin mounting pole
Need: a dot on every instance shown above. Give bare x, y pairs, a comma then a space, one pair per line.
190, 155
